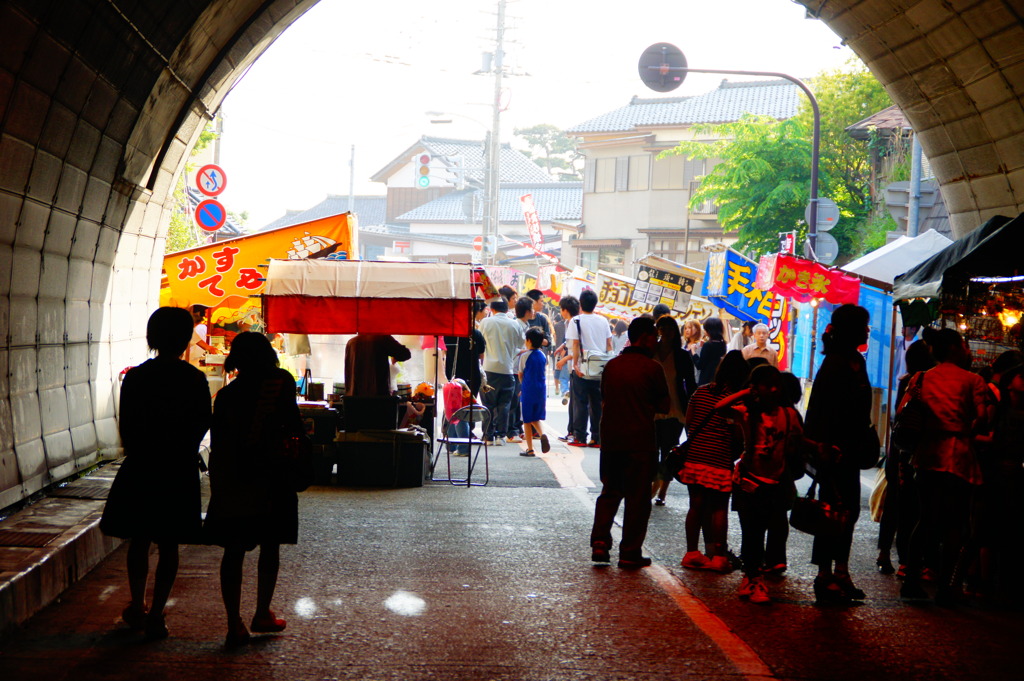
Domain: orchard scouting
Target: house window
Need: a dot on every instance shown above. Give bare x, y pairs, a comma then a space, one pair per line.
604, 180
607, 259
611, 260
671, 249
639, 173
669, 173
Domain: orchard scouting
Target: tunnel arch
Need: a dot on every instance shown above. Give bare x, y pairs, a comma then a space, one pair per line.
100, 100
956, 69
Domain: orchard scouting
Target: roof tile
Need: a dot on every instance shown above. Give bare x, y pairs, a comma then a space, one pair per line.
730, 101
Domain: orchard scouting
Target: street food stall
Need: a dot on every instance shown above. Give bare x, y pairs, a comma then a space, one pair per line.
227, 277
976, 285
345, 297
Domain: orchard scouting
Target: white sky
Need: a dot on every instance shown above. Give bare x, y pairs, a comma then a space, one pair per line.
364, 73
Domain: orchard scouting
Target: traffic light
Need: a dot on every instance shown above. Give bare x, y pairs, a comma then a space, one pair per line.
421, 164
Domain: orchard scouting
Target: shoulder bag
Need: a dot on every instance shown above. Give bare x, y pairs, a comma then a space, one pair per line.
816, 517
911, 416
592, 362
677, 457
868, 448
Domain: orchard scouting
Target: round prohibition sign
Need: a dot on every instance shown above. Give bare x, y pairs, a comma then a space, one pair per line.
211, 180
210, 215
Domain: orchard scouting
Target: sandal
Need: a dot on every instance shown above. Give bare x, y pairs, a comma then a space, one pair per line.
155, 627
545, 446
134, 616
237, 635
528, 452
268, 624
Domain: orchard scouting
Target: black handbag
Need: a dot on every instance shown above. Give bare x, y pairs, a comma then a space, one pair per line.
677, 456
295, 459
868, 448
912, 415
816, 517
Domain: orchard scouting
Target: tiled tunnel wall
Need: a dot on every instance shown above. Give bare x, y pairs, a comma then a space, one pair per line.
956, 68
101, 99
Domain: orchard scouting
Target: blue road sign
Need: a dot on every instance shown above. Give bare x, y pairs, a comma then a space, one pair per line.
210, 215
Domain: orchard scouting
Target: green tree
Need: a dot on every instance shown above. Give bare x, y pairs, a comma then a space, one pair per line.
761, 181
183, 232
553, 150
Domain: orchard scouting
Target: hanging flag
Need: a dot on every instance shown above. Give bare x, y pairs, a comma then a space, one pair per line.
801, 280
532, 221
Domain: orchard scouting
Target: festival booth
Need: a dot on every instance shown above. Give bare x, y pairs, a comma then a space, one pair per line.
227, 277
729, 283
346, 297
878, 270
622, 297
975, 285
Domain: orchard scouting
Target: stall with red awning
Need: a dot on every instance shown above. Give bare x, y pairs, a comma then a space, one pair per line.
357, 296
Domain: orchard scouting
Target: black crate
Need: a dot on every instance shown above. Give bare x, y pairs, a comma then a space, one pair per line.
382, 459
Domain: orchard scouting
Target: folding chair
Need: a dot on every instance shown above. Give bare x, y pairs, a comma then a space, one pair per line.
471, 414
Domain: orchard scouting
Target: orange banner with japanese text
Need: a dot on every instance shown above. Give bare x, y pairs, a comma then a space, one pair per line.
226, 275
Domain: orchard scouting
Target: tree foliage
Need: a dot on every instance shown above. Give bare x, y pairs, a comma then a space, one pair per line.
183, 232
761, 181
553, 150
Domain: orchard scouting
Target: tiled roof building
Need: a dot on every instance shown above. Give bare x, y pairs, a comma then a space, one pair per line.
636, 203
775, 98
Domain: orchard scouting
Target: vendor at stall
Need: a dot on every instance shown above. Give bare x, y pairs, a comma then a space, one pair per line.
198, 348
367, 367
760, 347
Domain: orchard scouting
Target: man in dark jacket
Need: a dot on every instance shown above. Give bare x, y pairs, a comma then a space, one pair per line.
633, 389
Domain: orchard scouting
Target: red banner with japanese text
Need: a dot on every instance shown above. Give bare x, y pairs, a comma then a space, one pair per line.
801, 280
225, 275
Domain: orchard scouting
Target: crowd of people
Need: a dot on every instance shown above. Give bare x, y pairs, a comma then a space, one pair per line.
954, 485
954, 490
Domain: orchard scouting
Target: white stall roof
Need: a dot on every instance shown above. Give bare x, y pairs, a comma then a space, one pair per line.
897, 257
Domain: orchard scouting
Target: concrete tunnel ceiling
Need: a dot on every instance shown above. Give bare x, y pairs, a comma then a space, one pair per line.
101, 99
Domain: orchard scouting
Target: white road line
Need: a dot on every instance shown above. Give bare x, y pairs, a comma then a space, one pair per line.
746, 661
566, 463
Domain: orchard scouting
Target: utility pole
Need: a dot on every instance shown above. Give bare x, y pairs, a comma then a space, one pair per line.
494, 160
352, 180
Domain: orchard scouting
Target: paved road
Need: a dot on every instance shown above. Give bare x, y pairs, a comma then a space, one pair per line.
442, 582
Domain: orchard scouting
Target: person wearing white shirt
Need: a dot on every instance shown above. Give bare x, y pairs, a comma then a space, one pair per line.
503, 338
586, 331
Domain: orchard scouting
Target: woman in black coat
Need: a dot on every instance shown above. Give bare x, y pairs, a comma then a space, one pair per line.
252, 502
678, 368
838, 413
711, 352
165, 413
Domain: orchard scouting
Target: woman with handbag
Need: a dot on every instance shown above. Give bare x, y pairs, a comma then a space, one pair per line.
901, 507
712, 444
155, 497
253, 500
678, 368
839, 413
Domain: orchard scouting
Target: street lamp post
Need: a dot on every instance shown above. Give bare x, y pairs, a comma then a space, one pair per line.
673, 62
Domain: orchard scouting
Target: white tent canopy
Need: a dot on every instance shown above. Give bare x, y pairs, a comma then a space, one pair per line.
895, 258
